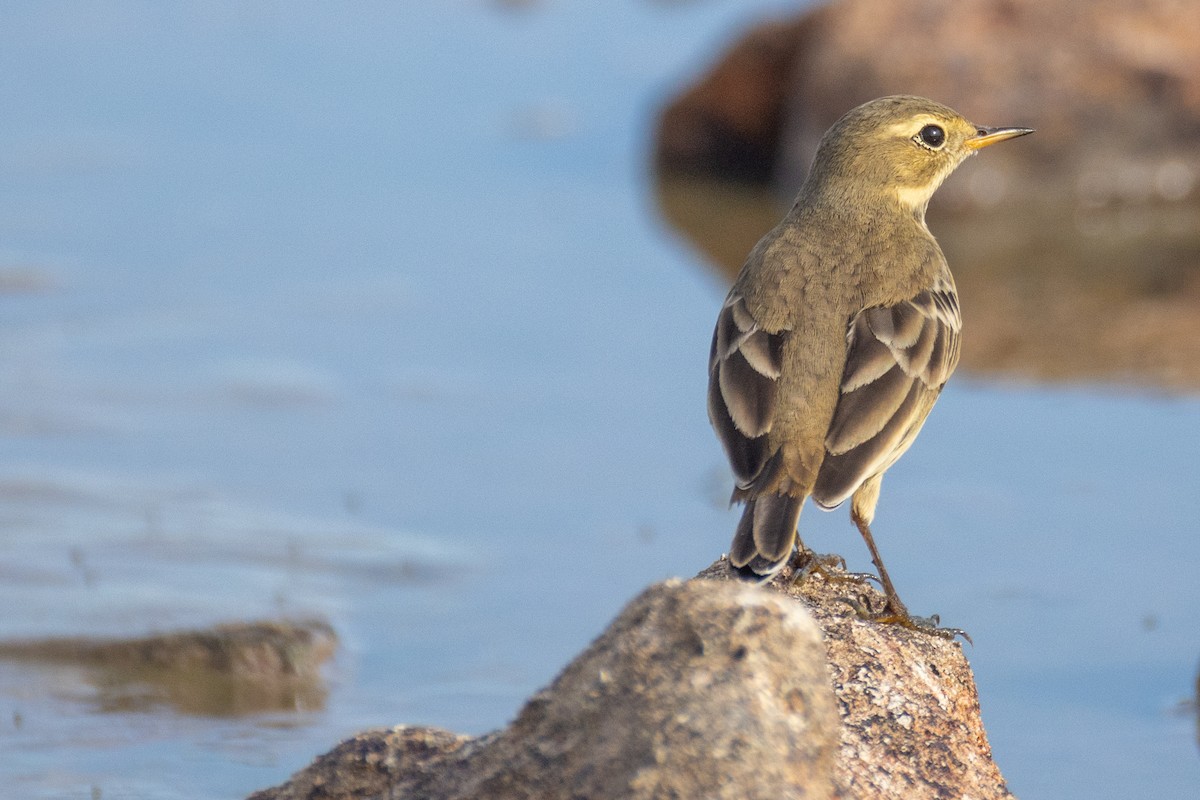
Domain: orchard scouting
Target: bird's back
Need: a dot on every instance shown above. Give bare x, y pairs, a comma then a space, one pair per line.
804, 283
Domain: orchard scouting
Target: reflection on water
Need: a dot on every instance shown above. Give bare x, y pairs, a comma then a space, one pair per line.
203, 693
1099, 293
231, 670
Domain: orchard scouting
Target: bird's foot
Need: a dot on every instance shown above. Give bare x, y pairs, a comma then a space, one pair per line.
829, 566
895, 613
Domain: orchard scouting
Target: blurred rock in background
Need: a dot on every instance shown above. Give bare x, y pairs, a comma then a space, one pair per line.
1113, 88
1077, 251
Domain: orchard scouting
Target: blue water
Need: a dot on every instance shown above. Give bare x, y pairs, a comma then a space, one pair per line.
371, 316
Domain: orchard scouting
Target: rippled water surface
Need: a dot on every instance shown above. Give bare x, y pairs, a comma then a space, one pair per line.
373, 317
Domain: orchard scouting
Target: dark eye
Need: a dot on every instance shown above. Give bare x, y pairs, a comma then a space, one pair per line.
933, 136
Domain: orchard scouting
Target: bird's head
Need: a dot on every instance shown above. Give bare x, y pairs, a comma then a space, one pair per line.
899, 147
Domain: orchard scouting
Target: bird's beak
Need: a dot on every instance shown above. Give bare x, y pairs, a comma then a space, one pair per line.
990, 136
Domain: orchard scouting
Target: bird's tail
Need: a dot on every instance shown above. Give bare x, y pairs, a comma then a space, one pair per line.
765, 536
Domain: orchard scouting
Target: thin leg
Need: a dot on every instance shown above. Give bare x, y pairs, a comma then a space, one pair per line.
862, 511
894, 604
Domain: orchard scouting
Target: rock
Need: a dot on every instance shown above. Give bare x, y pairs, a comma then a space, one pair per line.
389, 762
700, 689
1112, 86
254, 650
696, 690
234, 669
730, 124
911, 724
713, 689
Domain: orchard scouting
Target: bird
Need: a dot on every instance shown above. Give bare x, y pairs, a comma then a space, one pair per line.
840, 331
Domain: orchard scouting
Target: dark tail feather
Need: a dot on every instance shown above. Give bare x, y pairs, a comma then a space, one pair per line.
765, 536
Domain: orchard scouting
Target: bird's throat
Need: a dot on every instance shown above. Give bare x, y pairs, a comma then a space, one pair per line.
914, 198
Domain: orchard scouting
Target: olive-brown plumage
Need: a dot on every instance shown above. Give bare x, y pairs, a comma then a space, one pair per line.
841, 328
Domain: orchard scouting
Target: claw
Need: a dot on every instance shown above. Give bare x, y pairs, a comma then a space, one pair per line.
830, 566
930, 625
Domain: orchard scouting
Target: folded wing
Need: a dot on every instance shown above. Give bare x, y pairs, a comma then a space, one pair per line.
898, 358
743, 387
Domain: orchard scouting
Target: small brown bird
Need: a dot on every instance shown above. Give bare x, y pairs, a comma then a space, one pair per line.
840, 330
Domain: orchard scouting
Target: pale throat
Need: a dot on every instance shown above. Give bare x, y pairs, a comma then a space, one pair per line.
914, 198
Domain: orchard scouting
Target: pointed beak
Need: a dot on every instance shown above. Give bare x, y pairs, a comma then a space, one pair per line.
989, 136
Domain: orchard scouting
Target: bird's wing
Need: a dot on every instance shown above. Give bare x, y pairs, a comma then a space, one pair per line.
743, 387
897, 360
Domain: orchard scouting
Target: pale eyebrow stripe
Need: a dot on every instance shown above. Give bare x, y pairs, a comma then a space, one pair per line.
915, 124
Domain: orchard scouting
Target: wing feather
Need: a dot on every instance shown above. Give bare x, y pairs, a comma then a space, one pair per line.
898, 358
863, 413
842, 473
745, 363
867, 358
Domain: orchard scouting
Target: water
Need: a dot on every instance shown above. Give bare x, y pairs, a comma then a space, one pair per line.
374, 317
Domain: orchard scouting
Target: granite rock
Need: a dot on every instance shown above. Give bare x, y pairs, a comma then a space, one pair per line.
709, 688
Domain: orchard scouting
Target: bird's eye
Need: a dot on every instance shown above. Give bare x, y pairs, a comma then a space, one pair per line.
932, 136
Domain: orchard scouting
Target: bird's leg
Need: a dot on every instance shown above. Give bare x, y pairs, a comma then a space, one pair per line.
894, 611
894, 607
